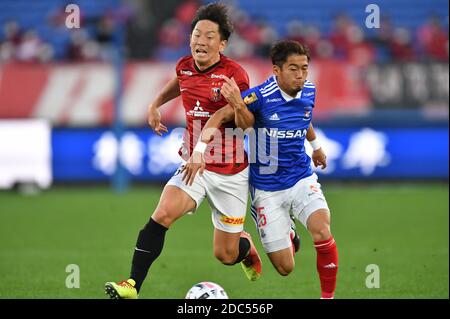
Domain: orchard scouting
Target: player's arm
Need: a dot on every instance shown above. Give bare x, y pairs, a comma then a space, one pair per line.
196, 162
242, 116
220, 117
169, 92
318, 156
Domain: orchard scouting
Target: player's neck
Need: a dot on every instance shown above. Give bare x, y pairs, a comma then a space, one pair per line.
203, 67
292, 94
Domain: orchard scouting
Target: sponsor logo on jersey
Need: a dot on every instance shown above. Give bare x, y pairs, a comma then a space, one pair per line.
249, 99
198, 111
217, 76
232, 220
308, 94
273, 100
285, 134
274, 117
186, 72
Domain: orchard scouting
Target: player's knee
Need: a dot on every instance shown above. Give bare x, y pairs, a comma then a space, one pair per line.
321, 233
163, 216
285, 268
225, 256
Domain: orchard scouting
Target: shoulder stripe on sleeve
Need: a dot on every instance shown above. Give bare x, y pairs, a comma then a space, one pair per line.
270, 92
309, 84
267, 87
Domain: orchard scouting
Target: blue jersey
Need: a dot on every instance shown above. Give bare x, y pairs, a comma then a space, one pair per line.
277, 151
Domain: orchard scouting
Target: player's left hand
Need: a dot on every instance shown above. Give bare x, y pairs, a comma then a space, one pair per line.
196, 163
319, 158
231, 92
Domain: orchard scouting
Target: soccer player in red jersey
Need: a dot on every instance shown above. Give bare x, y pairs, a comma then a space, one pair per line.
224, 182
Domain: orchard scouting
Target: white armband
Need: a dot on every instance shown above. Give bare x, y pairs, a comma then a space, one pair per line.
315, 144
200, 147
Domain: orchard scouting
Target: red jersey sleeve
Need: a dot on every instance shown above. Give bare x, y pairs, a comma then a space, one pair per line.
181, 63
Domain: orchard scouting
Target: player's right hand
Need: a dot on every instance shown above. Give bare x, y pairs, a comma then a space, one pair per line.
231, 92
154, 120
196, 163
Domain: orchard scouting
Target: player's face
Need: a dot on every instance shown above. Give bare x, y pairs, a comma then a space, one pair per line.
292, 75
206, 43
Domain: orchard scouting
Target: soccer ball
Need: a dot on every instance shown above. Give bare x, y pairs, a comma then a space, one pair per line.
206, 290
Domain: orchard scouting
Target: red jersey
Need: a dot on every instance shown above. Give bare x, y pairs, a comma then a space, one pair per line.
200, 91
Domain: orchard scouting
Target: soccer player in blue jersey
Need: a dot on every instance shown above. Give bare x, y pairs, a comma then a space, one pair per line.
282, 181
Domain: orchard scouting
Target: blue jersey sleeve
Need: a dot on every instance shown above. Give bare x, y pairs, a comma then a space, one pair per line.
313, 98
252, 99
309, 92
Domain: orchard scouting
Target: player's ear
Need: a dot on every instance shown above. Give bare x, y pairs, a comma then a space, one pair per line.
276, 69
223, 45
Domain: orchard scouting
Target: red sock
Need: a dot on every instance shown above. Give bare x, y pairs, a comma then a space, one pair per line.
327, 265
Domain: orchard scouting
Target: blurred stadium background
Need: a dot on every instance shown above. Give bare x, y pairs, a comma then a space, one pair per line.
80, 172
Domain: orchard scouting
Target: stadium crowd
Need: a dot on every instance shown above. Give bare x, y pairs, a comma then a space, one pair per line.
253, 37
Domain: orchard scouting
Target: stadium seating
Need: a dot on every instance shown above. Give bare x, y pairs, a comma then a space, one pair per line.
277, 13
37, 16
321, 12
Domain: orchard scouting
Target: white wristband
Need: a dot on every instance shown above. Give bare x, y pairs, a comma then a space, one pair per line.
315, 144
200, 147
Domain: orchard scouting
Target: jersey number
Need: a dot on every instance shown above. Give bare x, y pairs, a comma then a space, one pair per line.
261, 217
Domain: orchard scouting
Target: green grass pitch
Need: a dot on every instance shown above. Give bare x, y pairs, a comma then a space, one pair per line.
401, 228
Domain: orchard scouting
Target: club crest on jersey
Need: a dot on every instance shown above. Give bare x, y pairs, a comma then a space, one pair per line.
215, 94
306, 115
249, 99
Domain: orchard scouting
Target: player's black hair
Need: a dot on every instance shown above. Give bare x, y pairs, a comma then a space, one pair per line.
218, 13
282, 50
